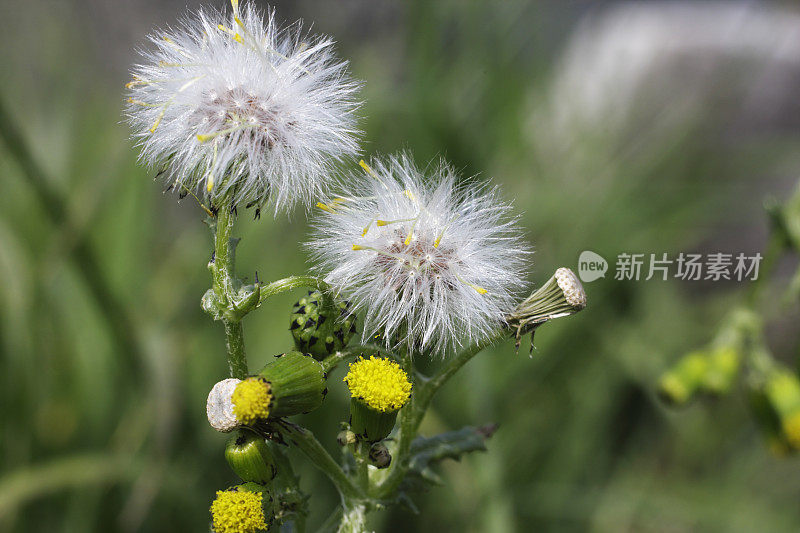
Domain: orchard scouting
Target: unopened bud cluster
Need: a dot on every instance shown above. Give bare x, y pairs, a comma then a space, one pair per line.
321, 325
712, 370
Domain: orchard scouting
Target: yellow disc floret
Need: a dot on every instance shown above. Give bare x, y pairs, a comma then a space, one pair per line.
235, 511
379, 382
251, 400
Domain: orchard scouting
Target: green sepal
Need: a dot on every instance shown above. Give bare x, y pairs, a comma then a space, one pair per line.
321, 325
370, 424
250, 456
297, 384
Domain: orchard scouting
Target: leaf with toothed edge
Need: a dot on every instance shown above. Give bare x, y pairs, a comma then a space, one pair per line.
427, 452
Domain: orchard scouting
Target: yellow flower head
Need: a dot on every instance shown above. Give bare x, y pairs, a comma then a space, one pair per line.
791, 428
238, 511
251, 400
378, 382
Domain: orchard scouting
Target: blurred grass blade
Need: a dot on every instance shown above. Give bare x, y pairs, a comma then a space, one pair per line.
84, 257
29, 483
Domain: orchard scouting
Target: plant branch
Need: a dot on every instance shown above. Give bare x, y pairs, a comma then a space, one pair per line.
412, 414
307, 443
234, 342
333, 360
290, 283
223, 276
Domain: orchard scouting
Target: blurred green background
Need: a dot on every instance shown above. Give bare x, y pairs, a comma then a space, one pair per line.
650, 127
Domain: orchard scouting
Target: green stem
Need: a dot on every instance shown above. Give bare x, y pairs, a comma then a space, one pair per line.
307, 443
354, 518
333, 360
234, 341
290, 283
223, 265
362, 461
412, 414
223, 275
286, 482
446, 371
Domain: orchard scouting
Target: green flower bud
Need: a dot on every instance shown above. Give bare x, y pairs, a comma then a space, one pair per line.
297, 384
249, 455
379, 455
320, 325
345, 437
679, 384
378, 389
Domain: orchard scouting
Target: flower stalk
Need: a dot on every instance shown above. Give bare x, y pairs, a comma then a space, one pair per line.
307, 443
223, 278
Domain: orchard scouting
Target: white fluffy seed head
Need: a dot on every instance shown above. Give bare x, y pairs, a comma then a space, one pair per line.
219, 406
233, 105
431, 263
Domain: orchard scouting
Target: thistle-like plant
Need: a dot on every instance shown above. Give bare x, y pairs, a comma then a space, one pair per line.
232, 108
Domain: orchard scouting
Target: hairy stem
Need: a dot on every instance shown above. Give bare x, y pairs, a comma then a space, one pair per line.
223, 275
333, 360
362, 462
354, 518
292, 282
412, 414
307, 443
234, 341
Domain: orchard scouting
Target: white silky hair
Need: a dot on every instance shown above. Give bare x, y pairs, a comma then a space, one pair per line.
432, 263
233, 105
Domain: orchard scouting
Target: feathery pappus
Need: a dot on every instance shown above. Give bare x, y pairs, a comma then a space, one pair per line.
433, 263
236, 107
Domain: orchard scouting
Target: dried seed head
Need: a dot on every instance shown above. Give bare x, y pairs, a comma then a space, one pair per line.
562, 295
219, 407
571, 287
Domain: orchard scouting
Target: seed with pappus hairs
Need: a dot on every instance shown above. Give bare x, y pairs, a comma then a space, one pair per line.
432, 262
239, 108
